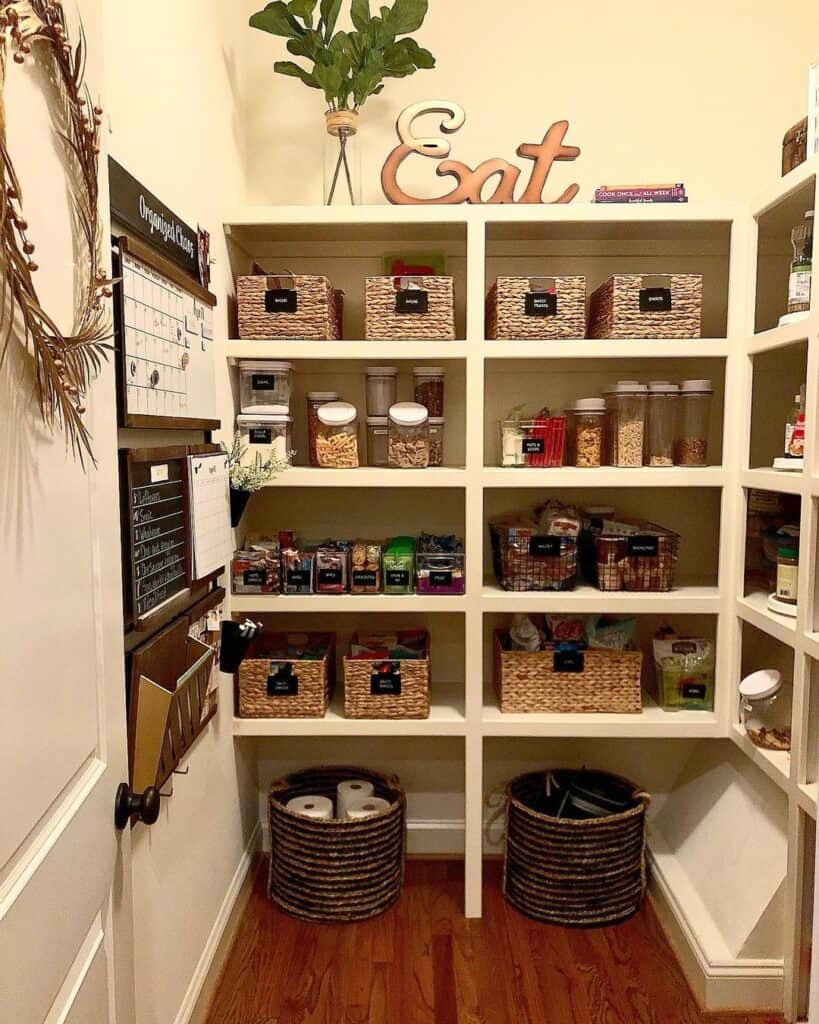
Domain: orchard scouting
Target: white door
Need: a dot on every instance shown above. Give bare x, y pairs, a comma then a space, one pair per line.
65, 951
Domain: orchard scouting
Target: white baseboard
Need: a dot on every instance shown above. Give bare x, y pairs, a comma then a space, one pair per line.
426, 837
206, 959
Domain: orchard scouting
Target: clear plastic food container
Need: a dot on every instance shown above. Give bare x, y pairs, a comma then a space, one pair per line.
628, 422
586, 432
409, 436
378, 433
429, 388
661, 428
766, 708
337, 436
265, 386
436, 440
399, 566
315, 399
691, 448
268, 437
382, 383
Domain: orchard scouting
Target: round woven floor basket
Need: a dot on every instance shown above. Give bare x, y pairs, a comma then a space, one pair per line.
583, 873
336, 870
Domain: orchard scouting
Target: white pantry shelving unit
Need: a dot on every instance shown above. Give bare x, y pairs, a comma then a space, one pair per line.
706, 505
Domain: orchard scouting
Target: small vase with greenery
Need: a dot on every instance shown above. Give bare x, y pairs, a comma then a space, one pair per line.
248, 477
348, 67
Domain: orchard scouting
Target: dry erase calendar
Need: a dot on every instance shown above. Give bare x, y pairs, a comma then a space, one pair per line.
165, 339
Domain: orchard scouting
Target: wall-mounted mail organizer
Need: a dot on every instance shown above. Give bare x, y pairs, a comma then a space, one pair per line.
175, 530
172, 692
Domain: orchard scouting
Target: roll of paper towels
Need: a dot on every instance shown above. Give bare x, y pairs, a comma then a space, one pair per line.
367, 807
349, 791
320, 808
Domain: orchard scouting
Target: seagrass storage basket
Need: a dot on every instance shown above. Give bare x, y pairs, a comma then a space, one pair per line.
641, 556
563, 680
575, 871
524, 557
387, 689
651, 306
795, 146
417, 308
274, 687
336, 870
536, 308
297, 307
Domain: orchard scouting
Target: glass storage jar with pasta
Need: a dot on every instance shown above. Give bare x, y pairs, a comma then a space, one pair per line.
265, 386
337, 436
628, 423
409, 436
265, 438
315, 400
691, 448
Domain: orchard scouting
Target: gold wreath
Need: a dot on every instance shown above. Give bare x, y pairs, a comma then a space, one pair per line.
65, 365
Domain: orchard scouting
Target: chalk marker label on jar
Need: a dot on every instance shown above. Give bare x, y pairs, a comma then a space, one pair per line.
544, 546
263, 382
412, 300
298, 577
533, 445
693, 691
260, 435
330, 577
647, 547
655, 300
541, 304
440, 577
385, 681
282, 681
281, 300
568, 661
254, 577
397, 578
365, 577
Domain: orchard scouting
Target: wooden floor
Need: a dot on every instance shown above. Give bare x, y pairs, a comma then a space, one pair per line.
423, 963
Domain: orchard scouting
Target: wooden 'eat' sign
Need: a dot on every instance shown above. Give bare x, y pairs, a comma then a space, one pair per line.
470, 183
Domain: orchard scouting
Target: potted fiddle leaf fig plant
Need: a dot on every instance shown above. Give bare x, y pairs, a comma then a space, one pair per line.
347, 67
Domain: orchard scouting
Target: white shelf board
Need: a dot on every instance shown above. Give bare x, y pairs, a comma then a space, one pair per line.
605, 476
754, 610
774, 480
330, 350
695, 348
775, 763
806, 796
446, 719
785, 186
585, 598
369, 476
781, 337
265, 604
810, 642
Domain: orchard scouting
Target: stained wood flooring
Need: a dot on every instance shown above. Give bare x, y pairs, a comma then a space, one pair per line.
423, 963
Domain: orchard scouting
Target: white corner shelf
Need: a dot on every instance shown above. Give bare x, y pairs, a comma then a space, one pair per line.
773, 480
376, 351
775, 763
781, 337
806, 797
267, 604
683, 600
782, 188
754, 610
583, 348
605, 476
367, 476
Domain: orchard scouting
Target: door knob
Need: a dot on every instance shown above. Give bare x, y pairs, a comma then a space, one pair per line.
127, 804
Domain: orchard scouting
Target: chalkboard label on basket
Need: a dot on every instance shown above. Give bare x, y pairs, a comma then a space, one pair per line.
365, 577
263, 381
412, 300
440, 577
254, 577
533, 445
298, 577
260, 435
643, 546
397, 577
386, 680
330, 577
281, 300
693, 691
544, 546
568, 661
282, 680
655, 300
541, 304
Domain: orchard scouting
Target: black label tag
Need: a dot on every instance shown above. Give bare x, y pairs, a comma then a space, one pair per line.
568, 661
330, 576
254, 577
298, 577
642, 546
541, 304
684, 647
260, 435
412, 300
694, 691
263, 382
281, 300
540, 547
533, 445
365, 577
282, 680
386, 680
397, 578
655, 300
440, 577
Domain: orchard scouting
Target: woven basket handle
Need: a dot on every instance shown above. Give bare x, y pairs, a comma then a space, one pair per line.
401, 283
655, 280
273, 280
550, 282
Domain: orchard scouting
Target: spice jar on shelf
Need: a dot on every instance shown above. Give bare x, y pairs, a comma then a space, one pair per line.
586, 423
661, 425
378, 432
787, 571
691, 447
315, 400
766, 709
627, 423
337, 436
409, 436
382, 383
268, 437
429, 388
436, 441
265, 386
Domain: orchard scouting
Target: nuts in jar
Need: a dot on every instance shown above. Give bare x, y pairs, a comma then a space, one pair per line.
409, 436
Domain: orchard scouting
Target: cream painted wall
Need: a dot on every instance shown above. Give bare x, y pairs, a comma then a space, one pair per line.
701, 94
170, 102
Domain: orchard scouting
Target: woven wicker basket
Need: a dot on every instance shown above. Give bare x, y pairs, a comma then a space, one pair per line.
387, 689
795, 146
624, 307
525, 558
512, 316
336, 870
565, 681
564, 871
285, 689
385, 323
318, 315
618, 562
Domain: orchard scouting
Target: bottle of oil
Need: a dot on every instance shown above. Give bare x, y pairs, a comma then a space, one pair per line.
799, 284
